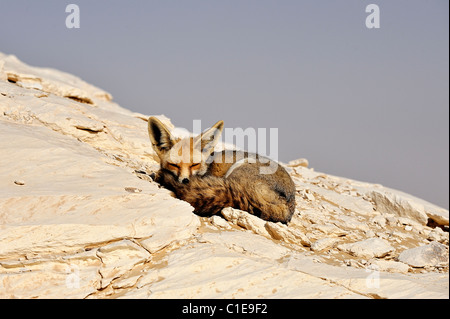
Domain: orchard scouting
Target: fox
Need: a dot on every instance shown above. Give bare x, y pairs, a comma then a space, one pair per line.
211, 181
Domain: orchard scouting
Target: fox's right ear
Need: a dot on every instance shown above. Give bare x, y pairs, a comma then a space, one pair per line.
209, 138
159, 135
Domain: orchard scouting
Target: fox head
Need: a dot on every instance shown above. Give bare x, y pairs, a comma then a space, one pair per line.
183, 157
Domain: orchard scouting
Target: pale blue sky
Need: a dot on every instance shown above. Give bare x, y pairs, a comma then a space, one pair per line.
368, 104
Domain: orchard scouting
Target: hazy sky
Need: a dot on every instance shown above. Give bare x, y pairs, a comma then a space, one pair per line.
368, 104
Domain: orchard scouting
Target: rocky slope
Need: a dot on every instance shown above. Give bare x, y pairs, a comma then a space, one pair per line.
80, 217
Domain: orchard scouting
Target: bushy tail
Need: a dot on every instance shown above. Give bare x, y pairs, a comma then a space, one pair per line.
210, 194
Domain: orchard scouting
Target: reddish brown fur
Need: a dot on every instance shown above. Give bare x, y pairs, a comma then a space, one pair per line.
269, 196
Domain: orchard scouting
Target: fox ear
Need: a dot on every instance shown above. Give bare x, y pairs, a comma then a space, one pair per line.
209, 138
159, 135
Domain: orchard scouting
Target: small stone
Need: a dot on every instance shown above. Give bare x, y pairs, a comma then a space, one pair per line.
370, 233
390, 266
299, 162
323, 243
379, 220
351, 263
329, 229
19, 182
282, 232
437, 234
133, 190
369, 248
245, 220
30, 85
433, 255
392, 221
310, 197
352, 223
220, 222
409, 222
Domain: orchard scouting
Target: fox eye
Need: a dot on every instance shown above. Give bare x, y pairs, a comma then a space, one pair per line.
197, 165
173, 165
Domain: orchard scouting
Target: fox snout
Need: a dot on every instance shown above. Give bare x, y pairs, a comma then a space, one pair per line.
183, 173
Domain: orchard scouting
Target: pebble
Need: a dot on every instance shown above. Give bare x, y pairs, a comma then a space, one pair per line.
19, 182
310, 197
133, 190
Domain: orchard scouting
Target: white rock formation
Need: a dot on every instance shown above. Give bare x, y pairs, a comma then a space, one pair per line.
81, 218
432, 255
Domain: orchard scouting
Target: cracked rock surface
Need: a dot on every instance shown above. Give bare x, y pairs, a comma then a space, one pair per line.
80, 216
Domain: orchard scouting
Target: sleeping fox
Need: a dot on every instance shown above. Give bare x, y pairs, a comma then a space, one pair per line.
211, 181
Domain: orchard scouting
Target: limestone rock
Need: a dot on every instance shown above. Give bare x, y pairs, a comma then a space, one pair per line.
245, 220
299, 162
390, 266
403, 205
371, 282
51, 81
323, 243
379, 220
118, 258
282, 232
369, 248
330, 229
220, 222
434, 254
437, 234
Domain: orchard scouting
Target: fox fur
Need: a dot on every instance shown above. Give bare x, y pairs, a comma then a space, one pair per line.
211, 181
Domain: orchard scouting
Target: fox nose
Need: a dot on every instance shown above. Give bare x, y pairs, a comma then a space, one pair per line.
185, 180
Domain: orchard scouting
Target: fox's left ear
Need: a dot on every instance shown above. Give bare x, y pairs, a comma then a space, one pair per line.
159, 136
209, 138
